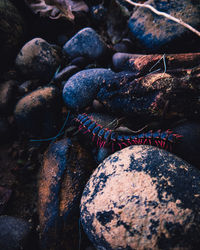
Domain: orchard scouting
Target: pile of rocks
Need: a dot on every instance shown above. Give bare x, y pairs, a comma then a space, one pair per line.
131, 79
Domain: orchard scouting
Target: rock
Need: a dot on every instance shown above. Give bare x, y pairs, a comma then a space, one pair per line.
65, 73
98, 13
142, 197
11, 33
38, 113
14, 233
28, 86
144, 64
66, 168
38, 59
157, 32
86, 43
80, 61
80, 90
8, 91
189, 147
5, 194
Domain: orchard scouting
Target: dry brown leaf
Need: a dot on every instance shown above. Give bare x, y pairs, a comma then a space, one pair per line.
55, 9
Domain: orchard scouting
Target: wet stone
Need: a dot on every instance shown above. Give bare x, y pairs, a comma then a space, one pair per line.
141, 197
14, 233
38, 59
65, 73
80, 90
85, 43
157, 32
38, 113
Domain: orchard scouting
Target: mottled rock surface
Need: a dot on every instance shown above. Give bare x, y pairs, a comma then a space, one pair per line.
142, 198
81, 89
38, 59
156, 32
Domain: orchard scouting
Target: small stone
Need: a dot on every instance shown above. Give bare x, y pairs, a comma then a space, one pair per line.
141, 197
65, 73
29, 86
80, 90
80, 61
86, 43
8, 91
38, 113
121, 61
38, 59
157, 32
14, 233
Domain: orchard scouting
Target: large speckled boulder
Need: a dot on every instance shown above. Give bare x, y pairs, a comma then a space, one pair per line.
142, 197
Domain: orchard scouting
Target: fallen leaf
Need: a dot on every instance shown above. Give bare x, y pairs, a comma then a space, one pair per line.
55, 9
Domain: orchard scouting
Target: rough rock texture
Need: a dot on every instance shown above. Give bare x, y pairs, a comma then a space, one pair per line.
38, 112
142, 198
85, 43
81, 89
38, 59
14, 233
156, 31
65, 170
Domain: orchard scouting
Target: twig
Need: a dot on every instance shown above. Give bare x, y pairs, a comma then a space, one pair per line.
160, 13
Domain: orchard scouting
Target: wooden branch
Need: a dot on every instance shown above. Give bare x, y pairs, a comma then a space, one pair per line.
160, 13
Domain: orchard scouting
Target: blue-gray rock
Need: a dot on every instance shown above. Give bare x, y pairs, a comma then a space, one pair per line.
121, 61
81, 89
38, 59
39, 112
142, 197
157, 32
85, 43
14, 233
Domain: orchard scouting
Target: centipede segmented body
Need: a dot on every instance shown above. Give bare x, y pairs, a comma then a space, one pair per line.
105, 137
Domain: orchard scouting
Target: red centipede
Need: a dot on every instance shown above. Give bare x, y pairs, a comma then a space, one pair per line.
105, 137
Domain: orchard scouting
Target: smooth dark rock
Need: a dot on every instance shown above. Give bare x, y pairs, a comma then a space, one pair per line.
157, 32
14, 233
86, 43
38, 113
146, 197
8, 91
65, 170
189, 146
80, 61
38, 59
65, 73
80, 90
121, 61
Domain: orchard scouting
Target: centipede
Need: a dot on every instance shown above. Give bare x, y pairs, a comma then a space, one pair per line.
105, 137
